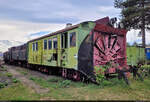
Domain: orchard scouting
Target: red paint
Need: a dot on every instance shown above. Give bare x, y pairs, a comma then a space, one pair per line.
110, 45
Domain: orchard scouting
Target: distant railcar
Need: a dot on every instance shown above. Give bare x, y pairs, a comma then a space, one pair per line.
6, 57
18, 55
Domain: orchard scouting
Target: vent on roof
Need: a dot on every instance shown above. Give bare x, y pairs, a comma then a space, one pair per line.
68, 25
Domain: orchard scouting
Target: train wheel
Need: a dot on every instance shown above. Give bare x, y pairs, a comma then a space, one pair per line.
76, 76
64, 73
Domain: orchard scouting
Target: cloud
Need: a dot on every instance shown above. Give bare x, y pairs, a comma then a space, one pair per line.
38, 34
19, 31
21, 18
58, 11
132, 36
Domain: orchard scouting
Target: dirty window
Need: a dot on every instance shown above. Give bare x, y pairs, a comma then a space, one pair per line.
36, 46
55, 42
64, 40
45, 44
72, 39
50, 44
33, 46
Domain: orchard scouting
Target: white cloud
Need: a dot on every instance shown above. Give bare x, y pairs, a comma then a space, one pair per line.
132, 36
18, 31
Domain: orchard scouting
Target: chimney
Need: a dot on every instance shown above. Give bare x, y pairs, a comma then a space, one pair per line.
68, 25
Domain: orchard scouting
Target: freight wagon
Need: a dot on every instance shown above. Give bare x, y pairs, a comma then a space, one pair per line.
75, 51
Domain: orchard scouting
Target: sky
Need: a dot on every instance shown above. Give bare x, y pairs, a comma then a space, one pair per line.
22, 20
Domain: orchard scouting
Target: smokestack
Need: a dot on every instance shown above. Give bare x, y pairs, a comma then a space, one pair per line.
68, 25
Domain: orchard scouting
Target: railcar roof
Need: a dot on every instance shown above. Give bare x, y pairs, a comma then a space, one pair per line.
54, 33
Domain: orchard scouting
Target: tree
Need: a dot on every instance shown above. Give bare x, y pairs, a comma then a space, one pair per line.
134, 44
135, 15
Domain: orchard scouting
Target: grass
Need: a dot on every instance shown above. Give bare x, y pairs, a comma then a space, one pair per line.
24, 73
61, 89
15, 80
113, 89
18, 92
3, 68
8, 74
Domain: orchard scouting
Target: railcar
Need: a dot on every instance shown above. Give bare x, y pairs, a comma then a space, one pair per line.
76, 51
17, 55
135, 55
6, 57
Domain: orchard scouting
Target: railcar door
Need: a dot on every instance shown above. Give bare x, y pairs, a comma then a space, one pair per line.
64, 49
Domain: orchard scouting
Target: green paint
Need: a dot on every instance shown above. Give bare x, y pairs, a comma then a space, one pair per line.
134, 55
84, 30
66, 57
34, 57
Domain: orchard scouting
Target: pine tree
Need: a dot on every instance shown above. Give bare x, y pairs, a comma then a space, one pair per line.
135, 15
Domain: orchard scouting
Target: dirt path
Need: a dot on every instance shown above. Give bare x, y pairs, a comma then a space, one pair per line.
26, 81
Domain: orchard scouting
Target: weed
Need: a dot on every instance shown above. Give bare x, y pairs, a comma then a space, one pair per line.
15, 80
40, 81
24, 73
54, 79
9, 74
32, 78
2, 85
3, 68
64, 84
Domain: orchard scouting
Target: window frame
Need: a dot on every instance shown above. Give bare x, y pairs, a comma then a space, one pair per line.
64, 40
44, 44
36, 46
49, 44
33, 46
54, 42
72, 33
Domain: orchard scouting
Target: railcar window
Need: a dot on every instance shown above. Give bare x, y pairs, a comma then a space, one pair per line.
33, 47
45, 44
64, 40
72, 39
55, 42
36, 46
50, 44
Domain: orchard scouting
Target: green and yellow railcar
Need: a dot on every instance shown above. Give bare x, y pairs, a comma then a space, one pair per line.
80, 49
59, 49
